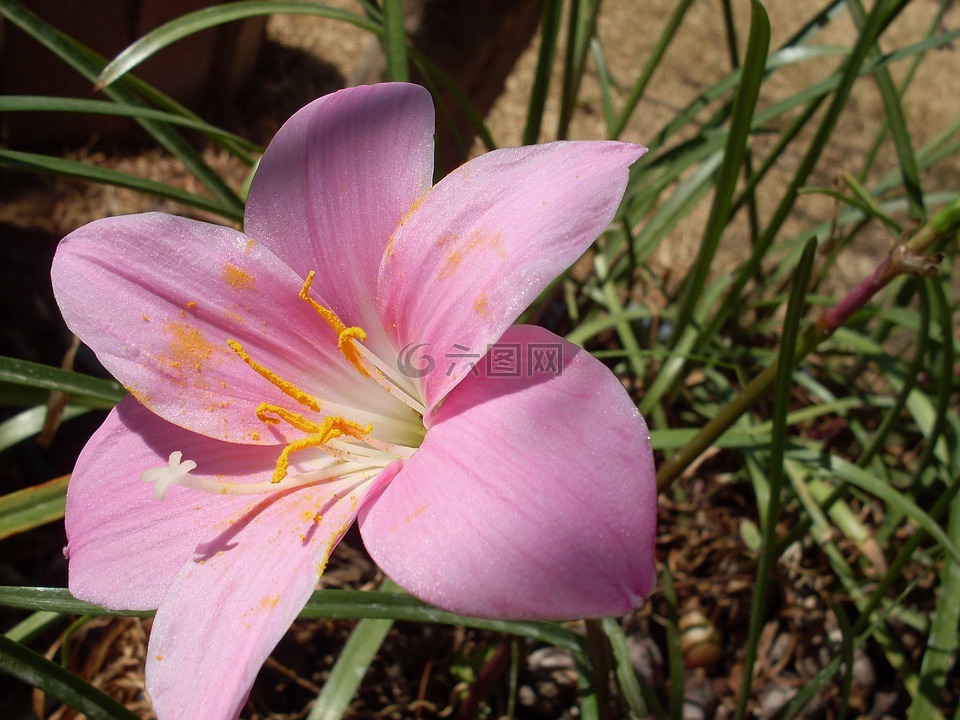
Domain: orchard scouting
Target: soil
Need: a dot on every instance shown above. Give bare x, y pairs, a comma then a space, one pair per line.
426, 671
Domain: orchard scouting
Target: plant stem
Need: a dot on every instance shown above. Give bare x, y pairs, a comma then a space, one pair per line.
908, 257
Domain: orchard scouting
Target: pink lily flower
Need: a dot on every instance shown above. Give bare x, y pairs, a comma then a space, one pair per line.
269, 410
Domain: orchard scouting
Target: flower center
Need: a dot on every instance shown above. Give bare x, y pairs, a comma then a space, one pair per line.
348, 449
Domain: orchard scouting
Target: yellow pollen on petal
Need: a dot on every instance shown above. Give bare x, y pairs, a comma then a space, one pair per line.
346, 335
268, 602
240, 279
456, 248
187, 347
285, 386
481, 305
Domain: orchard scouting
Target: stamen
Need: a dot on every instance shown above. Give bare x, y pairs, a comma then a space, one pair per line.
377, 449
288, 388
346, 449
345, 335
329, 429
295, 419
176, 473
349, 340
385, 379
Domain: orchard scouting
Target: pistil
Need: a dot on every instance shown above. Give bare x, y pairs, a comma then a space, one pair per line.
178, 472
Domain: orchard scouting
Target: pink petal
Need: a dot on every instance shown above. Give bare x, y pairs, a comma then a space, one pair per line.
531, 496
230, 605
157, 297
488, 239
334, 184
125, 545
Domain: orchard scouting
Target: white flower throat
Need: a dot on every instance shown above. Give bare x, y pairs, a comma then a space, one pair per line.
347, 449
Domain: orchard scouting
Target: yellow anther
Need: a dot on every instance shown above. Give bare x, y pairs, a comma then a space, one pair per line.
286, 387
331, 428
265, 411
345, 335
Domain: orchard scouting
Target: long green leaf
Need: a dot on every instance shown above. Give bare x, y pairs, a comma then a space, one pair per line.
33, 506
36, 671
943, 640
40, 103
897, 122
733, 157
30, 422
945, 392
24, 372
653, 62
351, 665
395, 42
107, 176
639, 697
786, 361
581, 27
88, 64
323, 604
549, 30
862, 479
32, 625
194, 22
882, 14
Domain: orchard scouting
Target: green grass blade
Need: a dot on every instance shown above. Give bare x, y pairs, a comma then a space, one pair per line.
24, 372
896, 122
568, 86
549, 30
37, 103
814, 96
862, 479
36, 671
674, 654
787, 358
88, 64
352, 664
31, 626
936, 23
910, 379
846, 653
32, 507
606, 82
395, 43
628, 339
357, 604
652, 63
945, 385
639, 697
30, 422
581, 28
107, 176
734, 153
672, 367
942, 642
882, 15
194, 22
734, 53
432, 72
868, 621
